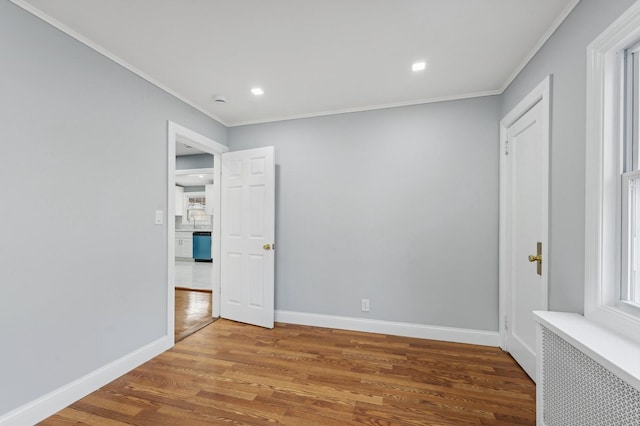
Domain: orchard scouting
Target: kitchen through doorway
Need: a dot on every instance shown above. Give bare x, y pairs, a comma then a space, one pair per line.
193, 235
193, 225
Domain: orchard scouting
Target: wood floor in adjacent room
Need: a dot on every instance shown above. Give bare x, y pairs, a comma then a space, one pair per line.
230, 373
192, 311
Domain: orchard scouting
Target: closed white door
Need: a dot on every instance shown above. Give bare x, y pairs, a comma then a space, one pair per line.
526, 154
247, 236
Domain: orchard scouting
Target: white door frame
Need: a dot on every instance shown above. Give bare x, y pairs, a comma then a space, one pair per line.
540, 94
178, 133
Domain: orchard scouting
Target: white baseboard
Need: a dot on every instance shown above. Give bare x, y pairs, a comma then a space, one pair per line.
51, 403
448, 334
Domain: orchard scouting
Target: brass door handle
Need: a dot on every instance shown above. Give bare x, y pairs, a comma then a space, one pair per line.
267, 246
537, 258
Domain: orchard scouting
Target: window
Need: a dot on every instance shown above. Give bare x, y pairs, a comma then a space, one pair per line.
630, 174
196, 209
612, 192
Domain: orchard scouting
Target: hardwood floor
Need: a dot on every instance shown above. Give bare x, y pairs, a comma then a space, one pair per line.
230, 373
192, 311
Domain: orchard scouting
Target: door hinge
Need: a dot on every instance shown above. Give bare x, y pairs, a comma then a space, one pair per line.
506, 323
506, 147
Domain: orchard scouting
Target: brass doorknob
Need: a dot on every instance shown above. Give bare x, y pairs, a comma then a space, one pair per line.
267, 246
537, 258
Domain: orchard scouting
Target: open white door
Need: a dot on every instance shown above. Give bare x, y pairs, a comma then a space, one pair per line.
247, 236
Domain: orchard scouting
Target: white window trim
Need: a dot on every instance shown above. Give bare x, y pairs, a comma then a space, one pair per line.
603, 161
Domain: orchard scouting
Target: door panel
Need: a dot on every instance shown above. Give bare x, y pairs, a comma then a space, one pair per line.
525, 212
248, 221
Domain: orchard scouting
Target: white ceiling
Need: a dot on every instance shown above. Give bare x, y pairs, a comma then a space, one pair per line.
312, 57
195, 179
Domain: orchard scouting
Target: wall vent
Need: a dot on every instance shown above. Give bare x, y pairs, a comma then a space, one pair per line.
577, 390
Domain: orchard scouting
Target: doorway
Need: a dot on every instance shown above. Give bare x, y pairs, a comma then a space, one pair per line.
193, 225
524, 218
193, 208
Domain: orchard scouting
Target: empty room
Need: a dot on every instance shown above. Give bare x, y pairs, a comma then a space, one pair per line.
409, 212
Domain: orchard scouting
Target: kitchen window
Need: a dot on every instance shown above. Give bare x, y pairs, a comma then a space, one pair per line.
196, 209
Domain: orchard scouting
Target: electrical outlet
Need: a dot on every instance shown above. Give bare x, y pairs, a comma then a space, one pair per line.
365, 305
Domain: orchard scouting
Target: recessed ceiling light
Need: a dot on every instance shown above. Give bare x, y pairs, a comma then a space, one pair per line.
257, 91
418, 66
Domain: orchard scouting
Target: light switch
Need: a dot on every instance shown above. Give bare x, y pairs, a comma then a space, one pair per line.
159, 217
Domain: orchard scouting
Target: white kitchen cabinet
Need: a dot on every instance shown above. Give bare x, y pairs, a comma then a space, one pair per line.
184, 244
178, 246
179, 201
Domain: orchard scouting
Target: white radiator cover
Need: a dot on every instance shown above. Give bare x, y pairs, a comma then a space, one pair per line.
579, 385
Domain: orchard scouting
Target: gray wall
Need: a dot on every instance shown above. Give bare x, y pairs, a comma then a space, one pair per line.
82, 266
196, 161
399, 206
564, 56
201, 188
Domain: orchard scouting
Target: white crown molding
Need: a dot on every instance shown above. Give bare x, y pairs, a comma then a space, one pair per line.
65, 29
545, 37
371, 108
49, 404
420, 331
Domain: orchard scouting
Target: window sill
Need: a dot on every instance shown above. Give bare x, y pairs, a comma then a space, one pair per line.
628, 308
622, 322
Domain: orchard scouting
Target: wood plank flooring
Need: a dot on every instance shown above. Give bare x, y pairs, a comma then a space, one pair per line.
231, 373
192, 311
